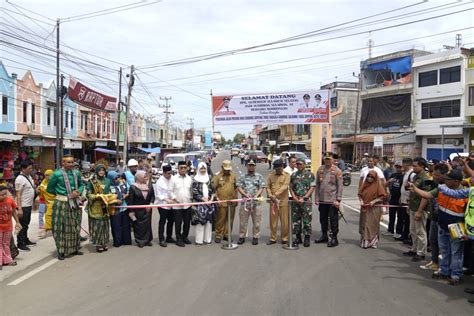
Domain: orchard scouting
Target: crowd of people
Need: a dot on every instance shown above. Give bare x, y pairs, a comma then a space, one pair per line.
425, 200
429, 208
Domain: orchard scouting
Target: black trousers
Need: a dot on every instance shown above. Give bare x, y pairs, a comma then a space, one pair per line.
328, 214
25, 220
394, 216
182, 220
403, 223
166, 217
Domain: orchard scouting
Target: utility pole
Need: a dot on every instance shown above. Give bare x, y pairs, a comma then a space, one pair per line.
61, 116
354, 149
191, 125
212, 118
167, 119
131, 82
119, 112
58, 107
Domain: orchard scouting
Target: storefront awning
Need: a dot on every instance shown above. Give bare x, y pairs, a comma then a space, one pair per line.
156, 150
9, 137
107, 151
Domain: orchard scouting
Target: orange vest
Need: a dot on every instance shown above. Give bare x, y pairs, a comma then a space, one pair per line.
452, 206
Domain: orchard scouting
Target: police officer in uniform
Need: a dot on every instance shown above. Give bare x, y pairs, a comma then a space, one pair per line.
225, 185
328, 195
302, 186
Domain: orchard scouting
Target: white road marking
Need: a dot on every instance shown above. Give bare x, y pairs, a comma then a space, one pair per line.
358, 211
33, 272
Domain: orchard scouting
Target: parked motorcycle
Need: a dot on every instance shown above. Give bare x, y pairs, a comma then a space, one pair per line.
346, 177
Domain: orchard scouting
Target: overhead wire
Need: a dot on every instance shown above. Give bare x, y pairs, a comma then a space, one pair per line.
317, 41
108, 11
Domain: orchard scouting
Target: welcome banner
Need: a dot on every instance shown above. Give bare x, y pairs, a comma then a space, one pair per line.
310, 107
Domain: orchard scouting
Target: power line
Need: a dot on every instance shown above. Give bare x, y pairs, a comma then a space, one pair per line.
108, 11
231, 52
176, 63
292, 60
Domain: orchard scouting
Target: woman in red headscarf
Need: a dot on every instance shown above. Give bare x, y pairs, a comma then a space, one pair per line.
371, 194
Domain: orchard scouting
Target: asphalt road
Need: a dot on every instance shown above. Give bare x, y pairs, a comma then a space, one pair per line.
251, 280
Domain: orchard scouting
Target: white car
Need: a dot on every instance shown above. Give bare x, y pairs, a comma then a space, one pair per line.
285, 154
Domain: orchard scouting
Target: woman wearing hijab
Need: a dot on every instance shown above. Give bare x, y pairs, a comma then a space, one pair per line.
97, 187
141, 193
119, 220
202, 214
371, 193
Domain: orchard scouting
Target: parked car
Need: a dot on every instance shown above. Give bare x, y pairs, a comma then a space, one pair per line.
285, 154
257, 156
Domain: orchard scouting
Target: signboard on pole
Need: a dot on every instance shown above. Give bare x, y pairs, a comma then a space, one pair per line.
308, 107
378, 141
90, 98
208, 139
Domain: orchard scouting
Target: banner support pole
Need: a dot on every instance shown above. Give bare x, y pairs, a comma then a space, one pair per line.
229, 245
290, 245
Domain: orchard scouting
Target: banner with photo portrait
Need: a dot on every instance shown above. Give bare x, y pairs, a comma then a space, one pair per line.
307, 107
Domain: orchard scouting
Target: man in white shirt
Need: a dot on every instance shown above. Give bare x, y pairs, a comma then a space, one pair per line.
408, 175
182, 190
164, 195
25, 195
370, 166
291, 168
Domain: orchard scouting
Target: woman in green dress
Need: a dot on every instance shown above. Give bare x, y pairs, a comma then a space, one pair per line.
97, 189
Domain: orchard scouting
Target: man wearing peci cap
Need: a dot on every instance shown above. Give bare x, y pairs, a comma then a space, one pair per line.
306, 99
302, 184
225, 185
182, 191
250, 185
319, 103
328, 195
164, 195
277, 191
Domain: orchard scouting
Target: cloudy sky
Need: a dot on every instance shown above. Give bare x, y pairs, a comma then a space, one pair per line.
152, 36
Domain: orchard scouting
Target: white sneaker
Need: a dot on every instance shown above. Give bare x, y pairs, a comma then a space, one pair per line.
396, 235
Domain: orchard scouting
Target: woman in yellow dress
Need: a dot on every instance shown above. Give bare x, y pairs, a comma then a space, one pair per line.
48, 199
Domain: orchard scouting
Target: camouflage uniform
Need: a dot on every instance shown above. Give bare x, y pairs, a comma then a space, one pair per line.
301, 214
250, 184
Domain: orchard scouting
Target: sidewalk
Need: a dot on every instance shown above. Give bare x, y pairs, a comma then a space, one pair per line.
44, 251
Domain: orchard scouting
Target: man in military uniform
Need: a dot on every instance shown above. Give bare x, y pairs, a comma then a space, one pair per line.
302, 186
224, 183
250, 185
328, 195
277, 191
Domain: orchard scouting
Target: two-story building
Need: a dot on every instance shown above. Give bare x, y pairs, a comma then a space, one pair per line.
443, 103
387, 95
8, 101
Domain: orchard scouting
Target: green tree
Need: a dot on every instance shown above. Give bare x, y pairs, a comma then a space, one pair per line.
238, 138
